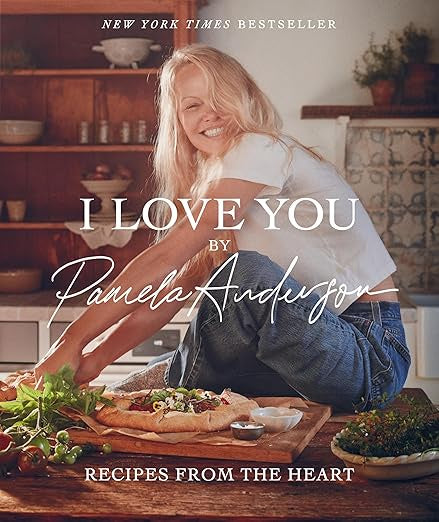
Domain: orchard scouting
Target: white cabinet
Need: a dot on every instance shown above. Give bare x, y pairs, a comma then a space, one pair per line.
18, 342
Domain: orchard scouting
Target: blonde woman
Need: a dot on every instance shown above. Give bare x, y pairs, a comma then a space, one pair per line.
220, 139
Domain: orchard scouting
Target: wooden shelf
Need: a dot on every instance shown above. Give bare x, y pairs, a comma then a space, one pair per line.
369, 111
85, 6
76, 148
23, 225
80, 72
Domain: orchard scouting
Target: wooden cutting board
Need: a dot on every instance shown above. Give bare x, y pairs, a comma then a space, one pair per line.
271, 447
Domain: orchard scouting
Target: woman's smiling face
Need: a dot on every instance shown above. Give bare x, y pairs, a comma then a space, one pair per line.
204, 127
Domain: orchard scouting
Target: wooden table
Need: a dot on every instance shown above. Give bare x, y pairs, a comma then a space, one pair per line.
66, 494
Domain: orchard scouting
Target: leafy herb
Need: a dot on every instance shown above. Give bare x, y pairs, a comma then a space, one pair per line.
35, 408
415, 43
379, 62
392, 433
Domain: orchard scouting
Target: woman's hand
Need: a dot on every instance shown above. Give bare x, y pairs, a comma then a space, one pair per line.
90, 367
64, 352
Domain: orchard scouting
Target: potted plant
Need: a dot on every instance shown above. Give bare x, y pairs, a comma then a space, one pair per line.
380, 68
15, 56
415, 45
391, 444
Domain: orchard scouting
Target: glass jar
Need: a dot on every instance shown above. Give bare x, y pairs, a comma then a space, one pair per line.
141, 134
125, 132
103, 132
84, 137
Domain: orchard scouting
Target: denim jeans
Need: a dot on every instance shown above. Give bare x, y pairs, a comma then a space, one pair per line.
348, 361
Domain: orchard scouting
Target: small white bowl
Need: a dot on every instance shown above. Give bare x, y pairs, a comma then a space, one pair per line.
20, 132
277, 419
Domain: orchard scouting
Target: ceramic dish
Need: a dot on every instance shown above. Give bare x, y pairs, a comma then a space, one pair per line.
20, 280
389, 468
276, 419
126, 52
247, 430
20, 132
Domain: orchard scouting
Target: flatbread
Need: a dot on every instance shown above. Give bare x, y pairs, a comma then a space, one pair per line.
120, 416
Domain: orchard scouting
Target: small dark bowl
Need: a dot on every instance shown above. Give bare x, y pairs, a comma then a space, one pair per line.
247, 430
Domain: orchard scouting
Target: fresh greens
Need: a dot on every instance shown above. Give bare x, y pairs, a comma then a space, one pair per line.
392, 433
34, 409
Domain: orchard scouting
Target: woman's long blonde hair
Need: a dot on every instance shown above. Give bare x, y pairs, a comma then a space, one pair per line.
178, 167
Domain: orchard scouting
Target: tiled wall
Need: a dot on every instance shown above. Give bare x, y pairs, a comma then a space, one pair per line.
395, 173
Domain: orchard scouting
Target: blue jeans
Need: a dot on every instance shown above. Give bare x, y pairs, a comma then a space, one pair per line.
348, 361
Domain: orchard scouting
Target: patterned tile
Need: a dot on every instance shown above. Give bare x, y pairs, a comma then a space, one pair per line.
369, 185
407, 188
432, 190
406, 228
433, 229
433, 157
433, 271
379, 219
408, 147
365, 147
411, 273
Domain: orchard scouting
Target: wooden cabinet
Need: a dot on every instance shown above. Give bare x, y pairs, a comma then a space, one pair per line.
70, 83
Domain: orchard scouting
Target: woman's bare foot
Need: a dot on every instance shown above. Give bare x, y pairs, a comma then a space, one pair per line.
153, 376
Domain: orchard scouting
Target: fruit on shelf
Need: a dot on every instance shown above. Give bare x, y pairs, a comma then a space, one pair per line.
102, 171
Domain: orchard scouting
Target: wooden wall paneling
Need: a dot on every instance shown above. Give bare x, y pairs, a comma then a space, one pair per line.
67, 247
38, 248
78, 33
64, 189
13, 31
43, 40
23, 98
124, 99
13, 176
69, 101
14, 250
39, 176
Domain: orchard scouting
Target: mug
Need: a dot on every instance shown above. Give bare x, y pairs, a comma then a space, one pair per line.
16, 209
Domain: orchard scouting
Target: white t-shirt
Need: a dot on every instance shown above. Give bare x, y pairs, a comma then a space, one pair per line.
356, 256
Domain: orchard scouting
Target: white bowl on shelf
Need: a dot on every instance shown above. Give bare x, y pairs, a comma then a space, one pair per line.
126, 52
95, 186
277, 419
106, 190
20, 132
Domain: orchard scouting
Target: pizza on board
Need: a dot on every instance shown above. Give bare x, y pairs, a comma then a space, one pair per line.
176, 410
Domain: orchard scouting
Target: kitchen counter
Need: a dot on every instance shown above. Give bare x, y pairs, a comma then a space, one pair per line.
65, 494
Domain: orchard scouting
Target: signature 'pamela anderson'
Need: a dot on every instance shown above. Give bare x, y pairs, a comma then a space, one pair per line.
220, 137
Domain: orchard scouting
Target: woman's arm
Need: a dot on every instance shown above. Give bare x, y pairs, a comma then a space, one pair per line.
150, 268
132, 330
